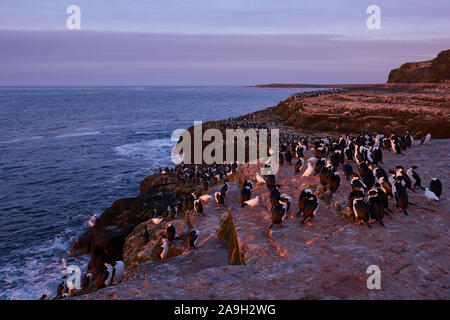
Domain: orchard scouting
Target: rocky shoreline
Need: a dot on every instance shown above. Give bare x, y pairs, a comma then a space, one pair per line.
235, 248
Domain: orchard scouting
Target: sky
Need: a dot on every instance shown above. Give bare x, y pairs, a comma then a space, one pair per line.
211, 42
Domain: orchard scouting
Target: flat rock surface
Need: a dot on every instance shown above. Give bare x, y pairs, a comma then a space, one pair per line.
327, 260
386, 109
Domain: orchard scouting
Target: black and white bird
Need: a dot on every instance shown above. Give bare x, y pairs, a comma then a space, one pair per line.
376, 207
278, 213
382, 197
430, 195
414, 177
356, 183
406, 181
170, 233
426, 139
219, 197
379, 173
198, 206
285, 199
194, 235
386, 186
247, 183
325, 172
436, 187
310, 208
298, 166
146, 235
274, 196
333, 181
302, 199
245, 195
224, 188
361, 211
369, 179
400, 196
319, 165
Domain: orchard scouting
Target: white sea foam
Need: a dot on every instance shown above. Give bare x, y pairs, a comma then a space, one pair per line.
152, 150
21, 139
77, 134
41, 269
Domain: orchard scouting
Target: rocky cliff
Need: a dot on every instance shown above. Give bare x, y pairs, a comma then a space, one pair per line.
389, 108
105, 241
238, 257
436, 70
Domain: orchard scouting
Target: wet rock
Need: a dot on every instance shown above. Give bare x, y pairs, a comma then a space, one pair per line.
105, 241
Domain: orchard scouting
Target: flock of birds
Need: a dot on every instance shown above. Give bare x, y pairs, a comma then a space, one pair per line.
315, 93
369, 181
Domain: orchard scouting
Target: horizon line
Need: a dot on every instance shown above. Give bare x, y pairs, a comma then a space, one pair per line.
334, 36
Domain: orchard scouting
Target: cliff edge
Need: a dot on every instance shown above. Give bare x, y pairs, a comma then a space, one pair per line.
436, 70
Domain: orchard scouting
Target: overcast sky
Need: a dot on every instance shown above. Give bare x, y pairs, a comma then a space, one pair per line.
201, 42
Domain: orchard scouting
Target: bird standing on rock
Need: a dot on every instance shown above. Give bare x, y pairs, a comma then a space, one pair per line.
361, 211
274, 196
356, 183
333, 181
436, 187
400, 196
278, 213
170, 233
302, 200
414, 177
310, 208
375, 207
430, 195
298, 166
219, 197
309, 170
246, 193
193, 238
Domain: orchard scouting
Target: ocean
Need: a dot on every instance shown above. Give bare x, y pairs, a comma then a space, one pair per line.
66, 153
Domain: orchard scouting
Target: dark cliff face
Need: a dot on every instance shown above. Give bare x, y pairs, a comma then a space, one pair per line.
436, 70
105, 241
